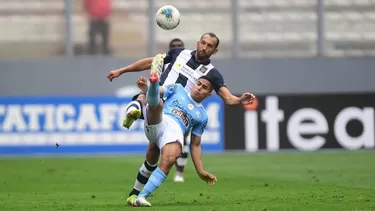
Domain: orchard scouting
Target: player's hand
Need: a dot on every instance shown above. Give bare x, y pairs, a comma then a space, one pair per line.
113, 74
142, 84
247, 98
209, 178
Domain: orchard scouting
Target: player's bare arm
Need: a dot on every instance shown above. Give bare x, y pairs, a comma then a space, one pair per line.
196, 156
141, 65
230, 99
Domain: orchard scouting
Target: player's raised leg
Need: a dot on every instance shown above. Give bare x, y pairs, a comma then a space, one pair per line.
154, 116
134, 109
170, 150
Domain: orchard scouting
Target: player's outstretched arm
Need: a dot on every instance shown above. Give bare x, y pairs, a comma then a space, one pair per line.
141, 65
225, 94
230, 99
196, 156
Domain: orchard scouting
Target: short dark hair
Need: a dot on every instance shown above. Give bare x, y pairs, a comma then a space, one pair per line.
208, 79
213, 35
175, 40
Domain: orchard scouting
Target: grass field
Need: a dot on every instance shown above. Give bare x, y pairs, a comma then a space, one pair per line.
279, 181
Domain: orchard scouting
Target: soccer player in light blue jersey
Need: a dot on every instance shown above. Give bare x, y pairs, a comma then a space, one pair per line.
181, 66
167, 120
178, 66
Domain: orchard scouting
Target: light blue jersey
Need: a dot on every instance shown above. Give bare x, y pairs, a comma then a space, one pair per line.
189, 114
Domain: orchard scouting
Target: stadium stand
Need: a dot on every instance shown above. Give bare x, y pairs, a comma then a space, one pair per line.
266, 28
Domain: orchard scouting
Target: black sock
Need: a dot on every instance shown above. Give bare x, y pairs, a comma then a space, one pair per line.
142, 177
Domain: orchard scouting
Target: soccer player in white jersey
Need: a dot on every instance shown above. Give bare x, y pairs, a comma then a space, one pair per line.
166, 122
181, 66
185, 67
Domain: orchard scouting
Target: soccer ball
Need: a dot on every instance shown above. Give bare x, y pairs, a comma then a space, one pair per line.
168, 17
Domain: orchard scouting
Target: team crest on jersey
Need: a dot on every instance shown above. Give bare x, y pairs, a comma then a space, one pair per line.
203, 69
190, 106
177, 65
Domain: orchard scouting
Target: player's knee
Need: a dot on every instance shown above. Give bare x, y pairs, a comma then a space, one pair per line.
170, 153
169, 160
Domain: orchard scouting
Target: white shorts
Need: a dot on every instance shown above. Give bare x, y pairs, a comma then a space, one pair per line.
167, 131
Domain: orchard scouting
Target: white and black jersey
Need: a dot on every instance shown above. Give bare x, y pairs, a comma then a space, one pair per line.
180, 66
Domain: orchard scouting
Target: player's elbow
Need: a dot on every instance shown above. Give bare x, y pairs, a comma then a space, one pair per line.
145, 64
195, 141
148, 62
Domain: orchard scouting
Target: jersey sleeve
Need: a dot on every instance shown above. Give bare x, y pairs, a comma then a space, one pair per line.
217, 78
169, 90
173, 53
199, 127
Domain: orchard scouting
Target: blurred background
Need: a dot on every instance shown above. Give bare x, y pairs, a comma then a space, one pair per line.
293, 54
247, 28
310, 63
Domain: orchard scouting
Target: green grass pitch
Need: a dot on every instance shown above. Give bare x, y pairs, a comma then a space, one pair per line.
321, 181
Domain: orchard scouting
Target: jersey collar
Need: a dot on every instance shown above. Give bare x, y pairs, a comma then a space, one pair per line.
197, 104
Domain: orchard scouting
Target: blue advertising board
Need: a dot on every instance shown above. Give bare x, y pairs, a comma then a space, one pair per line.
84, 125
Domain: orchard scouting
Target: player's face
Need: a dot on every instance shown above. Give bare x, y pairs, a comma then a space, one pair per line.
177, 44
206, 47
201, 90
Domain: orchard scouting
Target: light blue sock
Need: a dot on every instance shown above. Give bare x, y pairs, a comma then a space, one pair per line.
155, 180
153, 94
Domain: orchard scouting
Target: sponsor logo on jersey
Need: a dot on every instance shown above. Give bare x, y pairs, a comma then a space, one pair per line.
182, 116
203, 69
177, 65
